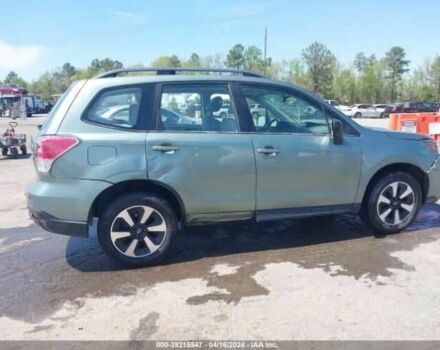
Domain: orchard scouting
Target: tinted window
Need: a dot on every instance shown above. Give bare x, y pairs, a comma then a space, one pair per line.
197, 108
283, 111
117, 107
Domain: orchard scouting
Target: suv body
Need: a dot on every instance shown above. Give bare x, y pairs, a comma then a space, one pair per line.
138, 174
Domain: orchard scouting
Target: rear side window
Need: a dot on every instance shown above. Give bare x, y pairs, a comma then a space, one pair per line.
116, 107
206, 107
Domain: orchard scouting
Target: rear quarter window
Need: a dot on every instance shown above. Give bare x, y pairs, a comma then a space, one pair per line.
116, 107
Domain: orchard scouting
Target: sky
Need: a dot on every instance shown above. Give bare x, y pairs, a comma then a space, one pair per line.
37, 36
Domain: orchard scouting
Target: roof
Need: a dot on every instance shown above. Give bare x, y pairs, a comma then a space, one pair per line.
175, 70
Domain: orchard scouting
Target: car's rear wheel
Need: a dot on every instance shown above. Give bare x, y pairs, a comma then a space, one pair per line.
358, 115
392, 203
137, 228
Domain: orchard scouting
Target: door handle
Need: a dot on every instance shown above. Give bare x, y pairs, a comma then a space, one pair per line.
165, 148
269, 151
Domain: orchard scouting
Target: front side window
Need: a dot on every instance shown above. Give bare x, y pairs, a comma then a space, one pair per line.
278, 111
197, 108
116, 107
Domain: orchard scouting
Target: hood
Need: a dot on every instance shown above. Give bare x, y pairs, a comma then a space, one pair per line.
399, 134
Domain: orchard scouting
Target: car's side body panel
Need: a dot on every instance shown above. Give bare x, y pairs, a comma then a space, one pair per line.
310, 170
212, 172
381, 150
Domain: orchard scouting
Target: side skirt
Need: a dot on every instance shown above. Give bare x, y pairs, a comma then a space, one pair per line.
293, 213
272, 214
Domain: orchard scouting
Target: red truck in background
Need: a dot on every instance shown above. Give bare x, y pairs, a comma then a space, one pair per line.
12, 89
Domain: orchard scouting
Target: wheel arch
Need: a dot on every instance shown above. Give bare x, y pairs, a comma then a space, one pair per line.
146, 186
415, 171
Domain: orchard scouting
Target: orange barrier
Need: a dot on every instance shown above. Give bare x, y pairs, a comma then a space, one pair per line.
421, 123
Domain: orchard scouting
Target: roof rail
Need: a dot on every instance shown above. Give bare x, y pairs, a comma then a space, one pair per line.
174, 70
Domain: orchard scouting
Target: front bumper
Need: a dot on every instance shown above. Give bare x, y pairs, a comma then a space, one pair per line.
434, 181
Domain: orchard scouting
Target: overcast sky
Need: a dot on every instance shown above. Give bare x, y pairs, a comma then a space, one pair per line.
36, 36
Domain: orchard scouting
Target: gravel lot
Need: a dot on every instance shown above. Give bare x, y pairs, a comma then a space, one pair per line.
321, 278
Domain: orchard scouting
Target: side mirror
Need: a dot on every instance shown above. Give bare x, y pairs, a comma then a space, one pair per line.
338, 133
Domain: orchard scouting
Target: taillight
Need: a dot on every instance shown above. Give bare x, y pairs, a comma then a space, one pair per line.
50, 148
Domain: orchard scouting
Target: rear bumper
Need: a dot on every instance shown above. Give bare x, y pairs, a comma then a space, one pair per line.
62, 205
52, 224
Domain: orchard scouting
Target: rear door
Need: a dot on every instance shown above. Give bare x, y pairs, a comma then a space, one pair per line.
201, 153
298, 165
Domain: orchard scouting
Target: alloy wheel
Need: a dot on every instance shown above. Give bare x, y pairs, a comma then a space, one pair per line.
396, 203
138, 231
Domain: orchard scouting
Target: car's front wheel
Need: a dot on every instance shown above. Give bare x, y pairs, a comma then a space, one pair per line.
137, 228
393, 203
358, 115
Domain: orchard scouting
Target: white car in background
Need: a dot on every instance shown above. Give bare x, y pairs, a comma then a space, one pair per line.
335, 104
380, 107
361, 111
224, 111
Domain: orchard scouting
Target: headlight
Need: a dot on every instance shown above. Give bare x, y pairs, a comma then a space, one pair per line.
431, 145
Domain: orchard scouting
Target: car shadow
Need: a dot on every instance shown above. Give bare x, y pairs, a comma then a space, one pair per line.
240, 238
20, 156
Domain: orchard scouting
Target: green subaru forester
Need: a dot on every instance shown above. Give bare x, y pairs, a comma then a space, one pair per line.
136, 157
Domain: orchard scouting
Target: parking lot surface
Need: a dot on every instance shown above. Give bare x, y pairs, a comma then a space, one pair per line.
320, 278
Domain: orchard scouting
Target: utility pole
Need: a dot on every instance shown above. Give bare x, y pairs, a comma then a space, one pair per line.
265, 49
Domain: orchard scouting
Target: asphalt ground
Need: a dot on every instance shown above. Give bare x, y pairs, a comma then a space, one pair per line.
322, 278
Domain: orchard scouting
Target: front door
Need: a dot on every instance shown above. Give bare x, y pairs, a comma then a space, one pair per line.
198, 151
298, 165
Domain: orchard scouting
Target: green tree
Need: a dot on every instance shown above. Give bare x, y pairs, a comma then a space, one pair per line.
98, 66
361, 61
45, 87
235, 58
167, 61
105, 64
253, 59
434, 76
14, 78
372, 83
194, 61
212, 61
68, 70
344, 87
396, 66
297, 73
320, 62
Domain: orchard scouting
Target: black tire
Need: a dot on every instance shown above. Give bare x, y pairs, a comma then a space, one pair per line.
109, 218
373, 204
358, 115
14, 152
223, 115
23, 150
4, 151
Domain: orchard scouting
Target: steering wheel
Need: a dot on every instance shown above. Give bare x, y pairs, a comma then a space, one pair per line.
269, 124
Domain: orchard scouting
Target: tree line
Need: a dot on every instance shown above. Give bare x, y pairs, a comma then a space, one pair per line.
368, 79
